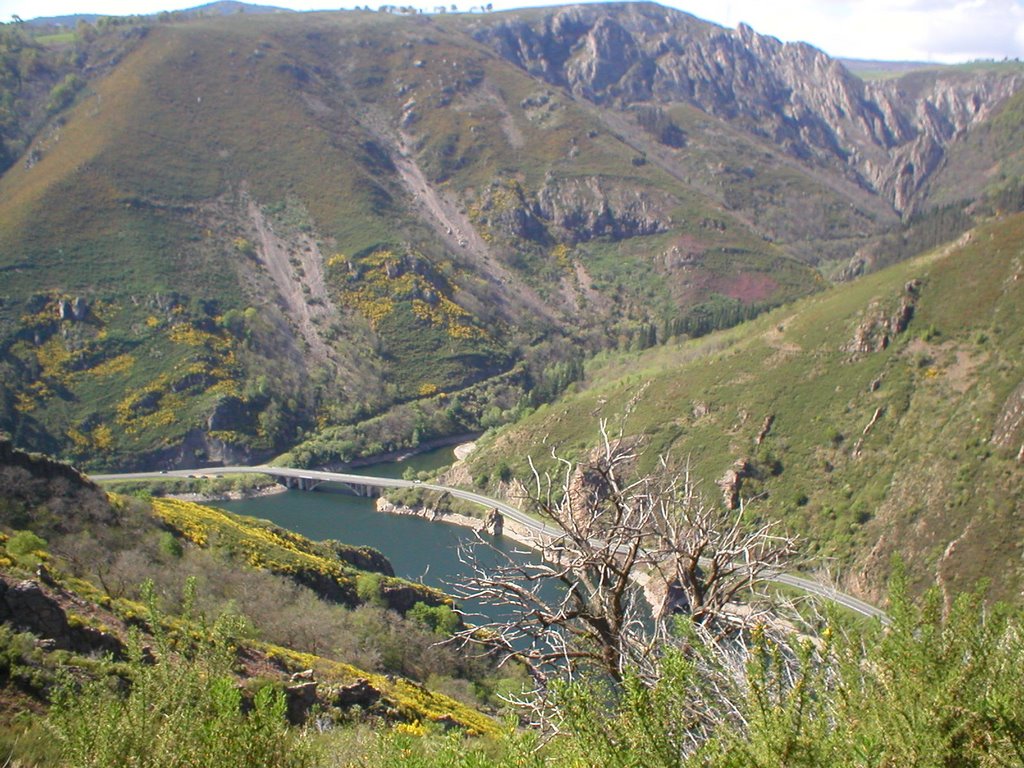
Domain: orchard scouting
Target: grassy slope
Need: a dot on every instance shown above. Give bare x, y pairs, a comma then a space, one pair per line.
141, 193
140, 203
927, 473
51, 500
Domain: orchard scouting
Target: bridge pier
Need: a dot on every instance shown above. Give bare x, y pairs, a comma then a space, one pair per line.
366, 491
299, 483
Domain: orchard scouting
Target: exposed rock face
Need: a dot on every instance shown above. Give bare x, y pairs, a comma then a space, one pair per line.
505, 207
495, 523
887, 137
589, 207
732, 482
880, 325
299, 700
766, 427
575, 209
24, 605
401, 597
76, 309
1009, 427
357, 694
363, 558
27, 607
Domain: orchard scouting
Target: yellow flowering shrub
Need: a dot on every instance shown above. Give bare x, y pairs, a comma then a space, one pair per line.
117, 365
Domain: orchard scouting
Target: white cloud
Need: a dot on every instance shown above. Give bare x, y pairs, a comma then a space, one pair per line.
939, 30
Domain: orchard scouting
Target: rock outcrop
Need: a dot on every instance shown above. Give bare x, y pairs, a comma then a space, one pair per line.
25, 606
300, 698
363, 558
881, 324
358, 694
585, 208
29, 607
732, 482
494, 523
889, 137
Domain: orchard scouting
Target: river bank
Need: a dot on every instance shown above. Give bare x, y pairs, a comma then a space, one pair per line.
233, 495
406, 453
508, 528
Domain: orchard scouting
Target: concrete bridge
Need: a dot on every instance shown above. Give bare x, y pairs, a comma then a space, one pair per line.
309, 483
309, 479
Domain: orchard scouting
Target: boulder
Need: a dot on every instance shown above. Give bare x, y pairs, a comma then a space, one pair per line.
357, 694
732, 481
299, 700
24, 605
494, 524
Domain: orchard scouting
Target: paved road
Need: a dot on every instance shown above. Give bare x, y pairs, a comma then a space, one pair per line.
538, 528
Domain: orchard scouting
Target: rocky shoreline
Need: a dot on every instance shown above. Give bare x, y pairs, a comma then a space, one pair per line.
251, 493
495, 524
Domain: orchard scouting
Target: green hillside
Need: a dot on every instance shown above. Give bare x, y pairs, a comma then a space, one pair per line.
314, 238
340, 234
877, 418
108, 580
275, 224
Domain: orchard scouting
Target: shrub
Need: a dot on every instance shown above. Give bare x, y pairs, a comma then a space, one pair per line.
368, 588
438, 618
184, 709
25, 543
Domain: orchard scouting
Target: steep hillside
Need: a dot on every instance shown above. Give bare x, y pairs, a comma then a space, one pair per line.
223, 235
887, 137
85, 578
881, 417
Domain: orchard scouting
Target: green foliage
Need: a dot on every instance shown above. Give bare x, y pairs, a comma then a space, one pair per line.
19, 659
170, 545
64, 92
937, 687
25, 543
369, 588
97, 213
440, 619
819, 467
922, 232
660, 125
182, 709
718, 313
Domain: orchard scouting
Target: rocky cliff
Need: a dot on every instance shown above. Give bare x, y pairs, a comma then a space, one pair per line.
887, 137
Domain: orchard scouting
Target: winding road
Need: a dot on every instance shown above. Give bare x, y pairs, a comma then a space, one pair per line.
538, 528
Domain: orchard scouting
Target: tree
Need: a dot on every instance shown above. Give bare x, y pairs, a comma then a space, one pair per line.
617, 543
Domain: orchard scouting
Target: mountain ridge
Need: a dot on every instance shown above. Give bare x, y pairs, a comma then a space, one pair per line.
284, 225
879, 418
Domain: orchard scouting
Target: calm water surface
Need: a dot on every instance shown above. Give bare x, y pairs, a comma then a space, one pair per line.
418, 549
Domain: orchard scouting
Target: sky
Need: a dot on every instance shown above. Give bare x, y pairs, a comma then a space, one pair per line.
946, 31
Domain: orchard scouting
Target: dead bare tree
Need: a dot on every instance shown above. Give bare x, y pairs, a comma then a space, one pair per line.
624, 551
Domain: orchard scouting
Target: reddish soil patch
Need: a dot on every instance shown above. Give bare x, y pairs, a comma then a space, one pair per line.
749, 287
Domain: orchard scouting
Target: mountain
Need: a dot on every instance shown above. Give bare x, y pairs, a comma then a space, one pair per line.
219, 8
353, 232
878, 418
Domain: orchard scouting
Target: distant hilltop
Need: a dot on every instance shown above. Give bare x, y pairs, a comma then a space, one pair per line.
220, 8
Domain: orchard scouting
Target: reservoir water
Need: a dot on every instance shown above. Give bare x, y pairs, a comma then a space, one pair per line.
418, 549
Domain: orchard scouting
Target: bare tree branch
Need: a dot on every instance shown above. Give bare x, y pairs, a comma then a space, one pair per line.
631, 550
